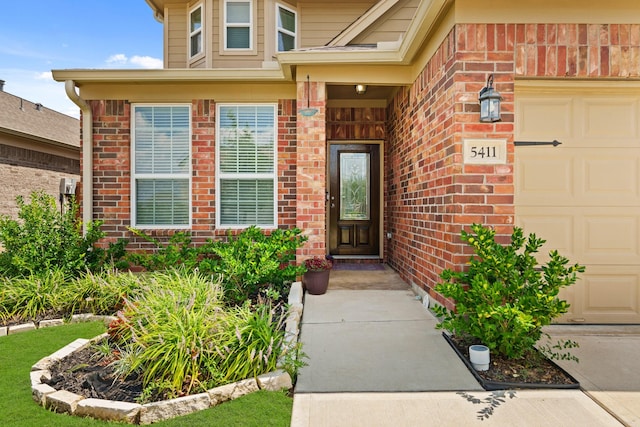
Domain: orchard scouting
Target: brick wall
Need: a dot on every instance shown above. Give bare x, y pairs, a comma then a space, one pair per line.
23, 171
431, 194
311, 170
112, 170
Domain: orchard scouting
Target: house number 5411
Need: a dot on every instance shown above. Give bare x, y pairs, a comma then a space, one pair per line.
485, 151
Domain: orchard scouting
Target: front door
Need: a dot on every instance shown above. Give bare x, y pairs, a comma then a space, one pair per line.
354, 199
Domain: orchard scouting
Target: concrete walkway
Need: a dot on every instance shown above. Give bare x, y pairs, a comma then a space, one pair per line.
376, 359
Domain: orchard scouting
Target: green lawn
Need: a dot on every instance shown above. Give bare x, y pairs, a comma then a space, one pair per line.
20, 351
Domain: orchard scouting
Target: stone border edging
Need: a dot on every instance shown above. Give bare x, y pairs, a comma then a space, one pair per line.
133, 413
30, 326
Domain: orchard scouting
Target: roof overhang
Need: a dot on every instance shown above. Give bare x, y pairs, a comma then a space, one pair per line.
168, 75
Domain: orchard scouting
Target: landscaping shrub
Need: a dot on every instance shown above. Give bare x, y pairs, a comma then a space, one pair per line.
34, 296
253, 261
178, 252
176, 333
503, 298
248, 263
44, 239
102, 292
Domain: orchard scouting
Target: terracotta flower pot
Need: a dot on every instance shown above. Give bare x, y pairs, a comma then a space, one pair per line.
316, 282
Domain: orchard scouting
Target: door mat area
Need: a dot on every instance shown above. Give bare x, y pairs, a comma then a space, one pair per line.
359, 267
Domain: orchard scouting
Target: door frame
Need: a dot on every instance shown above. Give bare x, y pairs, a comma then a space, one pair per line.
380, 144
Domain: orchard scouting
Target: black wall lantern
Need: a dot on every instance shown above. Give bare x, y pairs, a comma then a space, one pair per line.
489, 102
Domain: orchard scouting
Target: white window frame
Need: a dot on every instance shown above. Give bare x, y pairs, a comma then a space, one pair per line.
135, 176
198, 32
284, 30
249, 25
249, 176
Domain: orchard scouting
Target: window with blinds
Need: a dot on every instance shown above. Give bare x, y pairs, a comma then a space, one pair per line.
285, 28
161, 166
238, 23
247, 166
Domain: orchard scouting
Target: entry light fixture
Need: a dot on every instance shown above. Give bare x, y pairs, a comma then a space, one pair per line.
308, 112
361, 89
489, 100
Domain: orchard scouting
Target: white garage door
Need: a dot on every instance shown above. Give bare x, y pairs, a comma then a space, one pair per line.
583, 196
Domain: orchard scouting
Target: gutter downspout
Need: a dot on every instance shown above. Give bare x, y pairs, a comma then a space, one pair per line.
87, 153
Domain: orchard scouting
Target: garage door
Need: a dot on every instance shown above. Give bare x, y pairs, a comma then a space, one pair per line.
583, 196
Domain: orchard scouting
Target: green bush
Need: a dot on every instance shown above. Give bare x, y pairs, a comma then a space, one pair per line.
43, 239
504, 299
177, 335
55, 293
248, 263
102, 292
254, 261
34, 296
178, 252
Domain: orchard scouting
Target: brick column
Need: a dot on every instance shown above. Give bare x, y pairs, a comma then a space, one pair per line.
311, 169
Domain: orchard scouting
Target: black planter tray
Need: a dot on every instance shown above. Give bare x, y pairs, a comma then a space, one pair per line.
490, 385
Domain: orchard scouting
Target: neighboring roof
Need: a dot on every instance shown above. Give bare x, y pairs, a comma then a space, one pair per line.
24, 118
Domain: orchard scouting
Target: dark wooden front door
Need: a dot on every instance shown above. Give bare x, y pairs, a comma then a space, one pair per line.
354, 199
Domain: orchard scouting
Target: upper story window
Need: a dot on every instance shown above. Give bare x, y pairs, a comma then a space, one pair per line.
161, 166
195, 32
238, 24
246, 182
285, 28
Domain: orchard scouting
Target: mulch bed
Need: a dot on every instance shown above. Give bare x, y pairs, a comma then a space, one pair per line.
532, 371
86, 373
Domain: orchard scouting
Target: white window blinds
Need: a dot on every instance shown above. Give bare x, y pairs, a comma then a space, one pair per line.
161, 166
246, 165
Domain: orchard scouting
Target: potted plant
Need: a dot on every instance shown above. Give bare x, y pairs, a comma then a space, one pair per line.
316, 278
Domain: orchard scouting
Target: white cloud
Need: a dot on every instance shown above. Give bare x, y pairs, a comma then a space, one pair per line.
136, 61
118, 58
46, 75
147, 62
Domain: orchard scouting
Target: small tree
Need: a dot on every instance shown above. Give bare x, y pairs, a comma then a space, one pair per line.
504, 299
43, 239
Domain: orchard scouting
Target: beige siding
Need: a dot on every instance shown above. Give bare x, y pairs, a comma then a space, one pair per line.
391, 26
223, 59
321, 21
199, 63
176, 21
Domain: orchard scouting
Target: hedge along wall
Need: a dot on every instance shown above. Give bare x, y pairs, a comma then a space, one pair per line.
431, 194
112, 170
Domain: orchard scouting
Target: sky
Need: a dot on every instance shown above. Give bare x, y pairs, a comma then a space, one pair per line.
43, 35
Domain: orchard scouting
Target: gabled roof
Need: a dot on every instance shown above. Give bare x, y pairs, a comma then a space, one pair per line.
24, 118
370, 16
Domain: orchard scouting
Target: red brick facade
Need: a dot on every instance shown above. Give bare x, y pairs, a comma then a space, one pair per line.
112, 170
430, 193
311, 170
